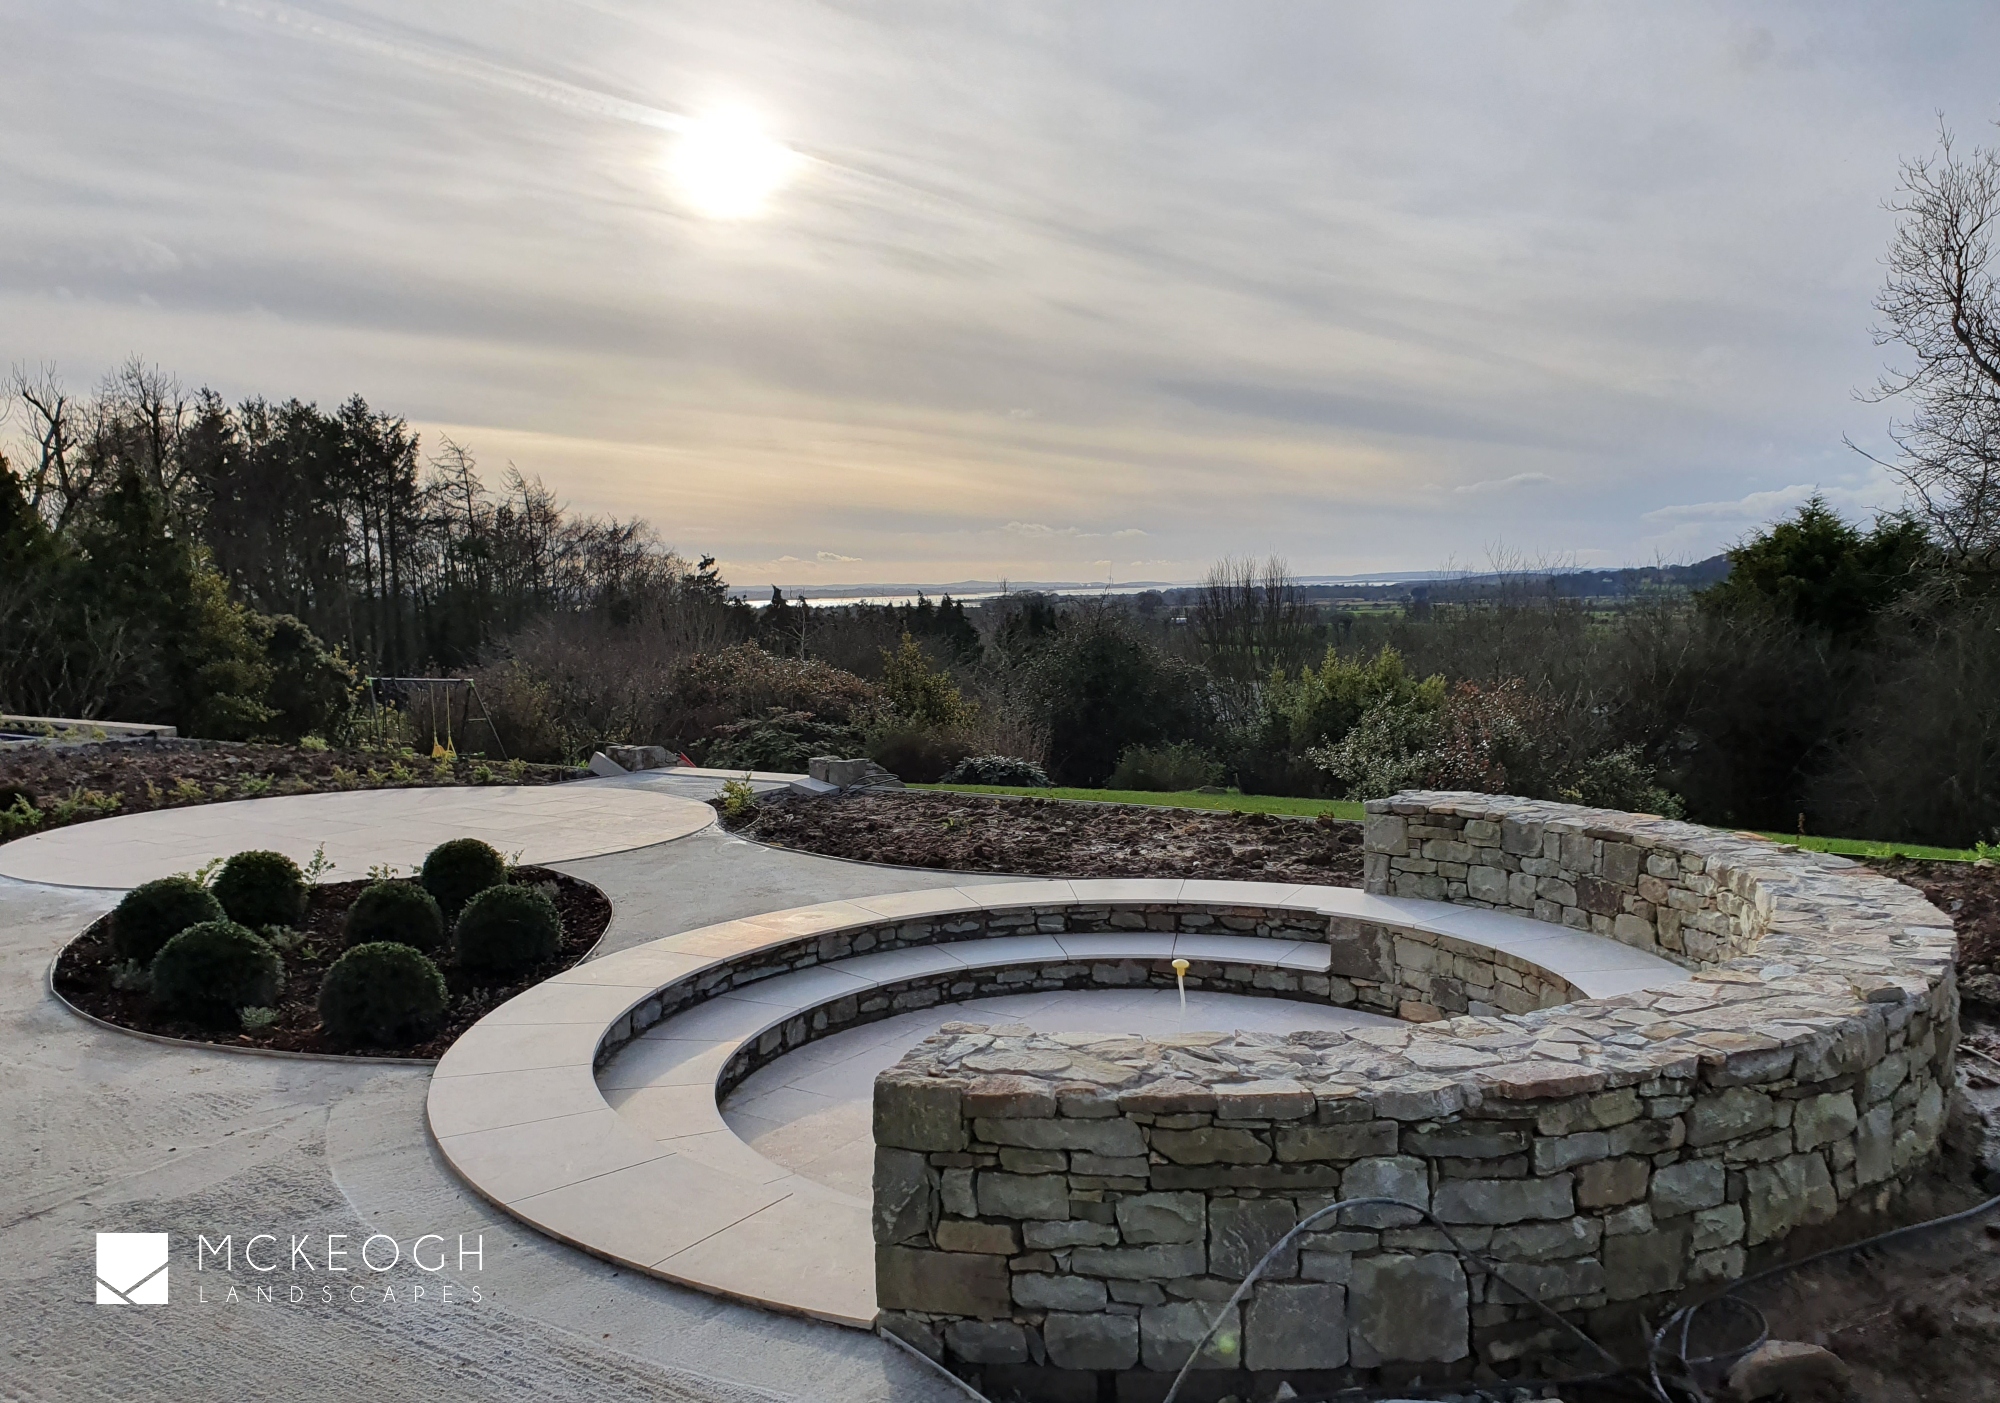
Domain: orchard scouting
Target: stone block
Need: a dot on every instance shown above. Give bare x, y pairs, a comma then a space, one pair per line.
1262, 1100
1601, 1112
1296, 1326
1211, 1145
941, 1283
1101, 1137
1022, 1195
1487, 884
639, 757
1161, 1217
1718, 1227
1242, 1230
955, 1193
1504, 1200
1093, 1342
987, 1341
918, 1113
1620, 863
1821, 1120
1154, 1263
1080, 1232
1522, 838
1611, 1182
905, 1196
1564, 1280
1544, 1242
1039, 1291
1786, 1194
1168, 1334
1687, 1186
1407, 1309
964, 1235
1466, 1140
1008, 1096
1553, 1153
1729, 1115
1874, 1145
1337, 1142
1399, 1177
1386, 833
1645, 1264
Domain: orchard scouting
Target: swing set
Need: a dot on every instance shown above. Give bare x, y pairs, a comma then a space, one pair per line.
385, 692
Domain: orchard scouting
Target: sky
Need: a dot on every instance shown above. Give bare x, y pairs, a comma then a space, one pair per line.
846, 292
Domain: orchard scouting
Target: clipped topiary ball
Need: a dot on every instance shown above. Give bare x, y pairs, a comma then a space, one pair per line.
155, 913
457, 871
209, 971
402, 912
261, 888
505, 931
383, 992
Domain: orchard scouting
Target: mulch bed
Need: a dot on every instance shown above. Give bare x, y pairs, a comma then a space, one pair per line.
84, 975
1969, 893
1061, 838
72, 783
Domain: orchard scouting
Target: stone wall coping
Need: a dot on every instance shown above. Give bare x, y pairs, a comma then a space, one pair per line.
517, 1108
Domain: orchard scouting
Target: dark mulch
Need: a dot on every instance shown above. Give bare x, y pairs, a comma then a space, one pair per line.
84, 975
1061, 838
74, 783
1969, 893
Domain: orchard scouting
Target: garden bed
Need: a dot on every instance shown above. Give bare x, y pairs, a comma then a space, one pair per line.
1970, 894
85, 971
1058, 838
72, 783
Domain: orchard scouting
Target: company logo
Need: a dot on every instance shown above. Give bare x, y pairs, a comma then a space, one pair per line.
132, 1268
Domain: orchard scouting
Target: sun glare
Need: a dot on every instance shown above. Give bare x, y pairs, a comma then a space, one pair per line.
727, 168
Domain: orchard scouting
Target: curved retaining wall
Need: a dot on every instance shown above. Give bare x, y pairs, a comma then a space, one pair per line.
1079, 1206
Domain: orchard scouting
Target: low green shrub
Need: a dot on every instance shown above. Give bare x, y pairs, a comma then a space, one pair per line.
154, 913
504, 931
382, 992
402, 912
260, 888
1166, 769
915, 754
739, 798
209, 971
459, 870
998, 769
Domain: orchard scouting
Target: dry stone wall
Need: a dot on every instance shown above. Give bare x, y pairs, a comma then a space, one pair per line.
1052, 1210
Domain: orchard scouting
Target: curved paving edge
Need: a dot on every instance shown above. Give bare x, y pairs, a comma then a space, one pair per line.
517, 1110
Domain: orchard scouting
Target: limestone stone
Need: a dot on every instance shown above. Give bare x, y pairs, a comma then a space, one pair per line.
1053, 1237
1504, 1200
1787, 1193
1337, 1142
905, 1196
1466, 1140
987, 1341
1540, 1242
941, 1283
1821, 1120
1400, 1177
1290, 1325
1042, 1196
1406, 1308
1154, 1263
917, 1113
1684, 1187
1040, 1291
1611, 1182
1717, 1227
1242, 1230
1279, 1099
1161, 1217
1729, 1115
1168, 1334
1645, 1264
962, 1235
1103, 1137
1211, 1145
1094, 1341
1571, 1279
955, 1193
1874, 1145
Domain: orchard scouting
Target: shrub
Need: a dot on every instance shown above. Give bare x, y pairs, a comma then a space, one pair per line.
459, 870
779, 740
739, 798
998, 769
1104, 689
1166, 768
399, 912
923, 695
382, 992
152, 914
211, 970
916, 755
260, 888
506, 930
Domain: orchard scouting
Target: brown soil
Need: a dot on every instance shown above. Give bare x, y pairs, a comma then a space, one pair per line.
84, 971
1969, 893
1061, 838
75, 783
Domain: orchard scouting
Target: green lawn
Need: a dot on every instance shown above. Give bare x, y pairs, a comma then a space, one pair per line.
1231, 802
1863, 847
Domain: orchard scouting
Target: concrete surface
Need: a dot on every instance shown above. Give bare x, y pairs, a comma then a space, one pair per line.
110, 1133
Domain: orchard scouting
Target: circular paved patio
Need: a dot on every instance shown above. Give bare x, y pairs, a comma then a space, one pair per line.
360, 829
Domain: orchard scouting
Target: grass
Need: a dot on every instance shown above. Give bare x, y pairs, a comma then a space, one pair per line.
1229, 802
1864, 847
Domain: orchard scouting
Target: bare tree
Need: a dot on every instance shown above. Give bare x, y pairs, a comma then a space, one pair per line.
1941, 306
1247, 619
56, 478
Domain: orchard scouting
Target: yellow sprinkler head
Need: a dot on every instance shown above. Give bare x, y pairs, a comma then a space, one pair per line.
1180, 968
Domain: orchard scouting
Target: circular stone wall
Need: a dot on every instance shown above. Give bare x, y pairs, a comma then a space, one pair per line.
1059, 1207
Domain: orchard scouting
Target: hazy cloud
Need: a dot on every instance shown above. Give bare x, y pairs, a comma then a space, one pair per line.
1503, 484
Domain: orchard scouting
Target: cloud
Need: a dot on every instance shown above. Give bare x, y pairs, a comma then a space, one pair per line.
827, 557
1507, 484
1780, 501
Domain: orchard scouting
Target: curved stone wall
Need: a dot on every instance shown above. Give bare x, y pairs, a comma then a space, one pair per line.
1077, 1206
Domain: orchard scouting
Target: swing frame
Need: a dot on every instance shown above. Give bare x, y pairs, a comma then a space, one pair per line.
431, 684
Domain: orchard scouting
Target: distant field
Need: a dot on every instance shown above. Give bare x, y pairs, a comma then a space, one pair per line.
1184, 799
1233, 802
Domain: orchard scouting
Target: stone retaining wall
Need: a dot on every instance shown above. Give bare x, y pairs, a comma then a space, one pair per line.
1057, 1214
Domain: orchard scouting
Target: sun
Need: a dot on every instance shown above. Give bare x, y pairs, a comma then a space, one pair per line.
726, 167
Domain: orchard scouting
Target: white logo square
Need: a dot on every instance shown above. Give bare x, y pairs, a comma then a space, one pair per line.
131, 1268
